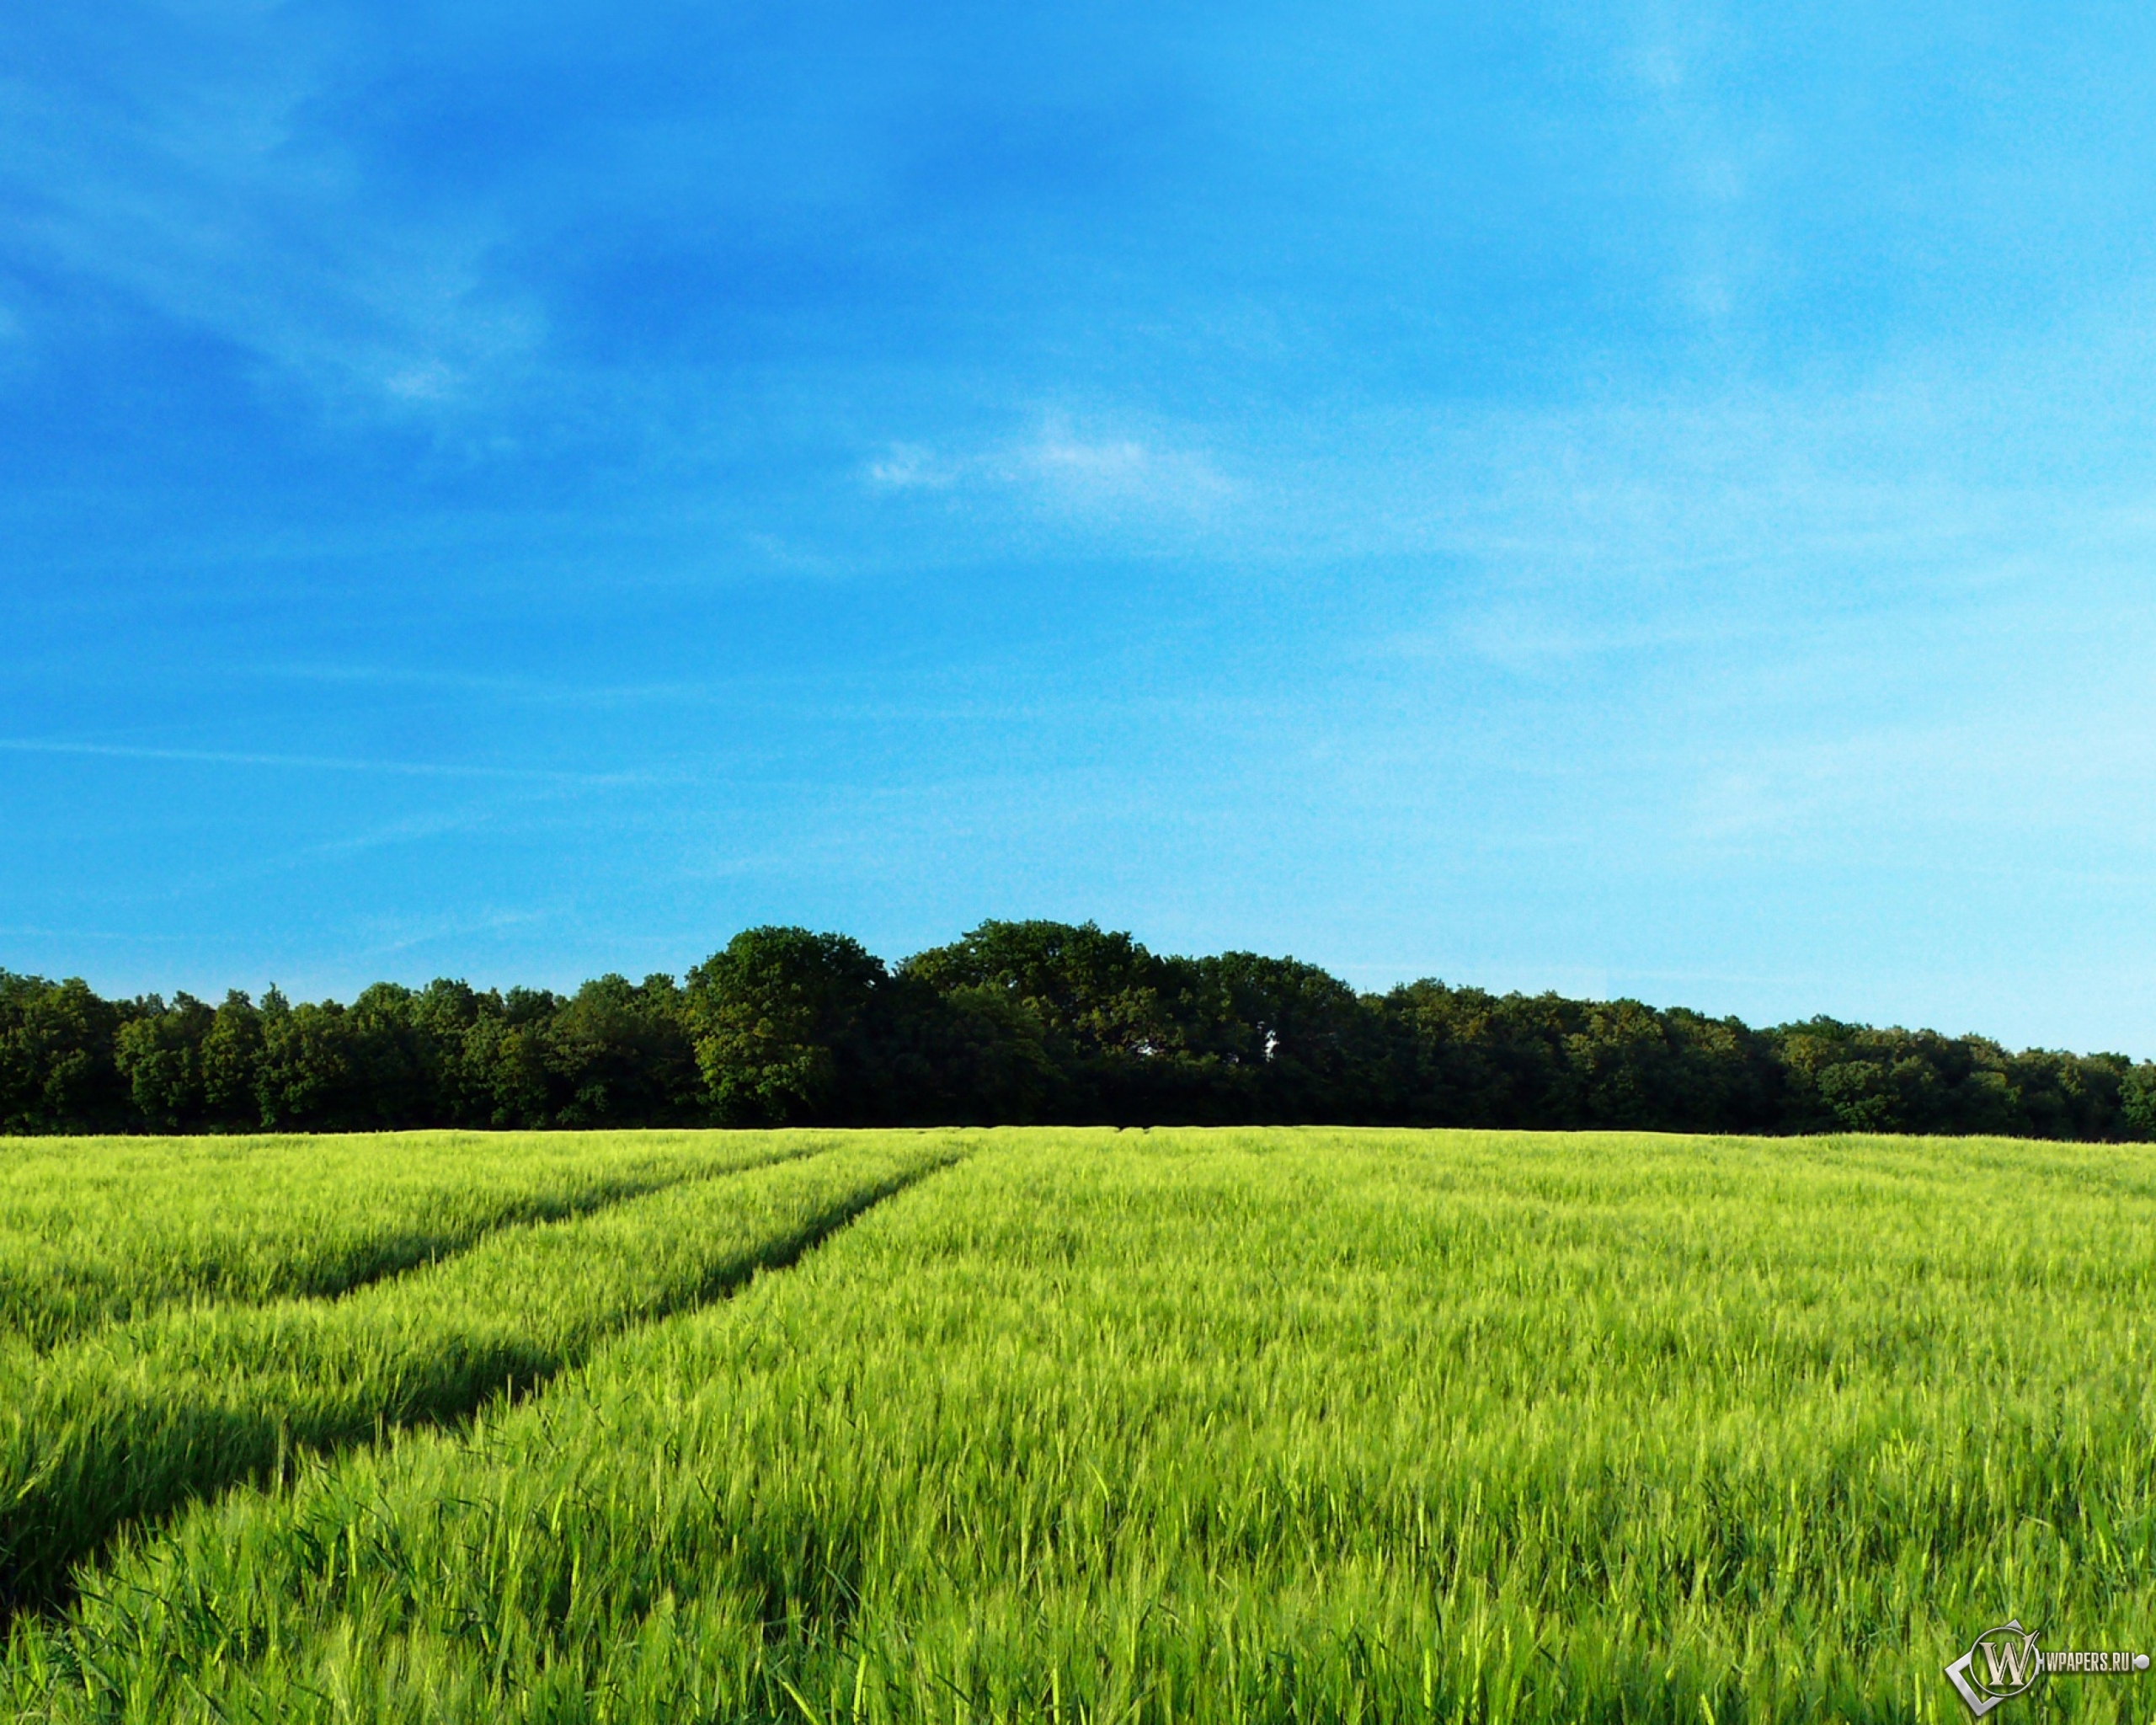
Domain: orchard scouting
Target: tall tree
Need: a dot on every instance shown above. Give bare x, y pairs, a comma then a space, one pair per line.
784, 1021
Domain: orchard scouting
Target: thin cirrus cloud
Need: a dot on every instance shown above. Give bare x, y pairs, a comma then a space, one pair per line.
307, 763
1060, 468
177, 165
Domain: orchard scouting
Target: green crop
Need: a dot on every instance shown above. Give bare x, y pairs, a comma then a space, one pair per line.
93, 1229
147, 1414
1248, 1425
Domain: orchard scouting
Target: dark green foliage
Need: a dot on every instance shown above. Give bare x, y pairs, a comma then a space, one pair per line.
1850, 1077
619, 1054
1098, 995
1280, 1041
786, 1024
160, 1057
2138, 1099
57, 1056
1015, 1023
230, 1055
309, 1078
1104, 1008
975, 1057
1464, 1057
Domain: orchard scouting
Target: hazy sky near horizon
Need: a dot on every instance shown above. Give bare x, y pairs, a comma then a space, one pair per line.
1638, 499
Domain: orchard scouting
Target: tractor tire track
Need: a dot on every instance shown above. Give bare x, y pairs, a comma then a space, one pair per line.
79, 1467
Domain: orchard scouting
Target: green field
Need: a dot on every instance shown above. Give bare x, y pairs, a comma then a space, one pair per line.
1089, 1425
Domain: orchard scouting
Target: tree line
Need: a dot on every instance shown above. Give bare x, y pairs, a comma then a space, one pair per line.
1017, 1023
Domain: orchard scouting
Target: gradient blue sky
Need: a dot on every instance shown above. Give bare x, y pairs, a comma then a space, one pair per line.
1635, 499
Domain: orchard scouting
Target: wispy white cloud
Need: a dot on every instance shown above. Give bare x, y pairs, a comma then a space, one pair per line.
912, 466
186, 179
1097, 475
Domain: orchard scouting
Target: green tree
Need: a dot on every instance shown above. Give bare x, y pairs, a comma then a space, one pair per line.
231, 1065
311, 1076
57, 1073
974, 1056
396, 1076
783, 1022
1278, 1040
2138, 1101
1098, 992
159, 1055
622, 1055
1105, 1006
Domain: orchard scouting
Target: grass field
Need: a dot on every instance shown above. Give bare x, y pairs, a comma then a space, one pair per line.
1232, 1425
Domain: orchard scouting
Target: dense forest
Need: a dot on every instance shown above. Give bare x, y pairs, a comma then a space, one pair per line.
1017, 1022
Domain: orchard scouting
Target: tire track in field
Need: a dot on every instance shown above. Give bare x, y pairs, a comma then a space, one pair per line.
394, 1256
585, 1206
129, 1459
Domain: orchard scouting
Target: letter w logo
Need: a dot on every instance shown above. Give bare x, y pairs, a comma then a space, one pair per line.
2008, 1660
2011, 1657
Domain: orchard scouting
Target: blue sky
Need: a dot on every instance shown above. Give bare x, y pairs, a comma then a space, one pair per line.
1635, 500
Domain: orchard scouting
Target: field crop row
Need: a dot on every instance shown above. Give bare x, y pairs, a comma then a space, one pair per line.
1249, 1426
92, 1230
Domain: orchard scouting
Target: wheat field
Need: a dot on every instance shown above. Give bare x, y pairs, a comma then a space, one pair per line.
1242, 1424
